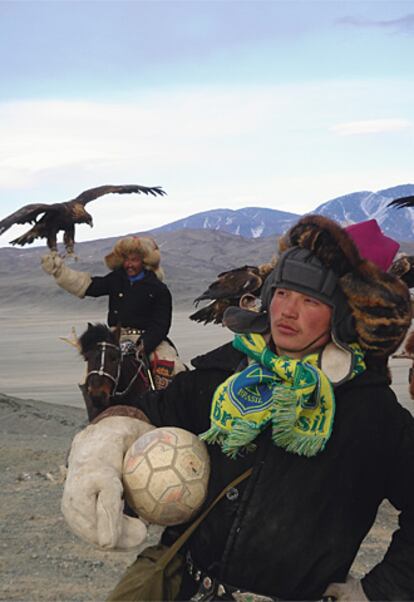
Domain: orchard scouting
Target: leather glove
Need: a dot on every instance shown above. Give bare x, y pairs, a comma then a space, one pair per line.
351, 590
92, 501
70, 280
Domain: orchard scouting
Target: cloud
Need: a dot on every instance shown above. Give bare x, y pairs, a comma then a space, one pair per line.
52, 134
371, 126
403, 24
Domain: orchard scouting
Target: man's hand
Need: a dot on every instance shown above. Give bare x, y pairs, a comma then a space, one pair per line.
52, 264
350, 591
92, 501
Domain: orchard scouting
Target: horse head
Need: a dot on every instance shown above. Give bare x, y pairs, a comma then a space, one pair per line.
99, 347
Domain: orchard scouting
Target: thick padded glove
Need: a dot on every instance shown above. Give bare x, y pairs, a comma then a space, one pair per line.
92, 502
351, 590
71, 281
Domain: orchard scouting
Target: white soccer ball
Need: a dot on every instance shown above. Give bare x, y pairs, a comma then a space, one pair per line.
165, 475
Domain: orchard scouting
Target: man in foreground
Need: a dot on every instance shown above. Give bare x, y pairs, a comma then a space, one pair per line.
303, 398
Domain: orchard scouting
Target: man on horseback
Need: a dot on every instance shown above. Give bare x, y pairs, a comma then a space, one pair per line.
302, 397
139, 302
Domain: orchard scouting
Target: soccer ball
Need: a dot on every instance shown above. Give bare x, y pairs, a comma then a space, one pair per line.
165, 475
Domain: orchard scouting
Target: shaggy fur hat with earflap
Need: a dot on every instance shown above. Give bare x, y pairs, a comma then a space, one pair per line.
145, 247
377, 302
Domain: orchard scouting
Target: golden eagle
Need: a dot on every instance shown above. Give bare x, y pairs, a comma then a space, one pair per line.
237, 287
48, 220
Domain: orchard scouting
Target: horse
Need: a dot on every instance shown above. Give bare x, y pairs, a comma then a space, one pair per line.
114, 374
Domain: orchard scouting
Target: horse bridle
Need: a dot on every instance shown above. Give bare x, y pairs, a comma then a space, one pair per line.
104, 345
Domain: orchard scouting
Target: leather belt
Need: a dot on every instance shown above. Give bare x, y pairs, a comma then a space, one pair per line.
132, 331
210, 588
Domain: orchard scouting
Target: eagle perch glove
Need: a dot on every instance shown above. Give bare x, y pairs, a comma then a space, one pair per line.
70, 280
92, 501
350, 591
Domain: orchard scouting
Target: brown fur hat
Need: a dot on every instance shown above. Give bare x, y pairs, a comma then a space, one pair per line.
379, 301
145, 247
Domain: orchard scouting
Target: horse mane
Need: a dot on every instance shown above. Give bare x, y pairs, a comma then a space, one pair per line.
96, 333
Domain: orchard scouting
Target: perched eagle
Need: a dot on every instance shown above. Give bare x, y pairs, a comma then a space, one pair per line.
404, 201
237, 287
48, 220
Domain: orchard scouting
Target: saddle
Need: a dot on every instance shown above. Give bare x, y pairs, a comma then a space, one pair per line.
163, 363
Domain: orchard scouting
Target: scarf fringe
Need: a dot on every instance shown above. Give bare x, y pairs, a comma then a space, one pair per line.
240, 439
284, 433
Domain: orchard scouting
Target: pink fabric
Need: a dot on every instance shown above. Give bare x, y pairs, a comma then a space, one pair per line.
373, 244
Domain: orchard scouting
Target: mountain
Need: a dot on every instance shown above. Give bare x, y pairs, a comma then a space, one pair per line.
360, 206
191, 259
251, 222
257, 222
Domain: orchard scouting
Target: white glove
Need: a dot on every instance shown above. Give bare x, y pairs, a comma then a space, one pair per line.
92, 502
70, 280
52, 263
350, 591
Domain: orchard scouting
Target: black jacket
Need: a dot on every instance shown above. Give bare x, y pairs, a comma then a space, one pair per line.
145, 304
297, 523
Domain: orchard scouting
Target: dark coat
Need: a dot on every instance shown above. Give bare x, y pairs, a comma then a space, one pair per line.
145, 305
297, 523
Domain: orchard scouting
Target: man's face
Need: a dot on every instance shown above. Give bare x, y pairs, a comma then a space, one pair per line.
299, 323
132, 264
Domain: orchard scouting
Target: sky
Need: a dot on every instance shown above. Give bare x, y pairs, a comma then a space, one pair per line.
225, 104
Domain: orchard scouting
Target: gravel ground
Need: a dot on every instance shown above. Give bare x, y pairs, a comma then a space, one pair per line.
39, 558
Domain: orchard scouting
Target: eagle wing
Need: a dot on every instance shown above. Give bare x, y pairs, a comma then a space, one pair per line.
404, 201
211, 313
26, 214
233, 284
229, 289
239, 287
93, 193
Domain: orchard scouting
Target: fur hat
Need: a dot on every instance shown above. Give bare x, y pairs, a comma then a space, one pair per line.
145, 247
377, 303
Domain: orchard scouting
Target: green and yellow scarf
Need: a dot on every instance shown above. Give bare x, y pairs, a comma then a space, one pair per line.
294, 396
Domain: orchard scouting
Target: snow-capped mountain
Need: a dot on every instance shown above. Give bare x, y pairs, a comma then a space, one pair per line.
360, 206
255, 222
250, 222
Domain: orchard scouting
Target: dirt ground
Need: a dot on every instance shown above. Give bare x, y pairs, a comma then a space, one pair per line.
39, 558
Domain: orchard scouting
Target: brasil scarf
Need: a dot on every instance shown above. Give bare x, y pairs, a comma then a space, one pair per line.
292, 395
